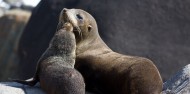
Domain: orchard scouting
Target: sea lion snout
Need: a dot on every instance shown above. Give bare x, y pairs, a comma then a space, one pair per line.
70, 15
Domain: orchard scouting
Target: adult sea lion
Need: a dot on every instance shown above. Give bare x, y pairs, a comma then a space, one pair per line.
55, 69
105, 70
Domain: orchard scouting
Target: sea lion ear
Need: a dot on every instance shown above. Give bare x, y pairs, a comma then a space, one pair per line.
89, 28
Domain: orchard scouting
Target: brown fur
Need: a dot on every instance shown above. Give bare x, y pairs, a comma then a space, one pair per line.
106, 71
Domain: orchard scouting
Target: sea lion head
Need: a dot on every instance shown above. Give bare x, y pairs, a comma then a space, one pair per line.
85, 27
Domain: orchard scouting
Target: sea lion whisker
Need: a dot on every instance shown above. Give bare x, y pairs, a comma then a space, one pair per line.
81, 36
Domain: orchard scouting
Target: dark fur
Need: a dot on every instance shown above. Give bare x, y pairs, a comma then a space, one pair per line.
55, 69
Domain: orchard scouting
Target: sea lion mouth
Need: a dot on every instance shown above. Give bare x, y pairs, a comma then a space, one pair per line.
69, 17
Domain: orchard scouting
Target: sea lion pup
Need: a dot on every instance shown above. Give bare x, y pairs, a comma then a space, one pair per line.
105, 70
55, 70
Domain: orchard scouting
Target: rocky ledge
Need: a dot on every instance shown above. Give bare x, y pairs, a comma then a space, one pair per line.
16, 88
177, 84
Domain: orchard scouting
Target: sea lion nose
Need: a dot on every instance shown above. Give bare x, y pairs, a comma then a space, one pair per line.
65, 10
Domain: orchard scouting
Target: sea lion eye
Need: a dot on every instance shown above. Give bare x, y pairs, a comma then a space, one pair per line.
89, 28
79, 16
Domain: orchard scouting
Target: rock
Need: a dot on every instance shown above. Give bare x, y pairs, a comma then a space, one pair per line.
16, 88
12, 24
179, 83
156, 29
1, 12
13, 2
4, 5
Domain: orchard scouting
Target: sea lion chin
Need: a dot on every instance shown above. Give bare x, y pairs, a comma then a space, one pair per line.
107, 71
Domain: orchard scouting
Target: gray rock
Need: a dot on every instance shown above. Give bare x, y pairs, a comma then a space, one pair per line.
16, 88
2, 11
179, 83
12, 24
14, 2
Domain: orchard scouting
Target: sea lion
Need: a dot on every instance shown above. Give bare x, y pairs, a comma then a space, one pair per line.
107, 71
55, 69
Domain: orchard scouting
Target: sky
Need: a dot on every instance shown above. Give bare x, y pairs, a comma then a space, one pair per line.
31, 2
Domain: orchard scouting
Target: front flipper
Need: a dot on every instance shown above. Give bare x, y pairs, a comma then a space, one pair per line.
30, 82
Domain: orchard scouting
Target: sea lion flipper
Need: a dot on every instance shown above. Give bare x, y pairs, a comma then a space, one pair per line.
30, 82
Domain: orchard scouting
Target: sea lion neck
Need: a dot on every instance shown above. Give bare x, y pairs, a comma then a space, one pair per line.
94, 44
63, 43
